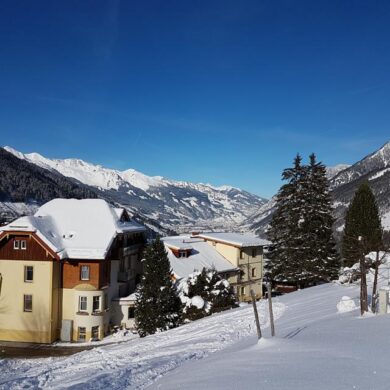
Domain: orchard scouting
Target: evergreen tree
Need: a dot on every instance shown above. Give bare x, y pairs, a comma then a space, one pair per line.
363, 234
158, 306
285, 232
301, 229
363, 229
216, 294
320, 255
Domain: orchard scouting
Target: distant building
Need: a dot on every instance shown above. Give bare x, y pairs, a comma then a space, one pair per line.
62, 268
236, 257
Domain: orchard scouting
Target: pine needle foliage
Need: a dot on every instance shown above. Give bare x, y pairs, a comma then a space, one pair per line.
158, 306
363, 230
301, 229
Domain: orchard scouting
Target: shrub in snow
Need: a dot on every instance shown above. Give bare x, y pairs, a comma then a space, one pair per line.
158, 306
350, 274
346, 304
204, 293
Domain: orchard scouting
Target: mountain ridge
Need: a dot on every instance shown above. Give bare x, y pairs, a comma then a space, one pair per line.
176, 205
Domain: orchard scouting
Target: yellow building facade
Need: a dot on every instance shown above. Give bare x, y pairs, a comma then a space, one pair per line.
245, 253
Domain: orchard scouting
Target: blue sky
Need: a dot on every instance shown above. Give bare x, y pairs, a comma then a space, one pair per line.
225, 92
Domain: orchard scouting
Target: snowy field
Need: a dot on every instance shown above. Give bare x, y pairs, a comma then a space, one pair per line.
317, 347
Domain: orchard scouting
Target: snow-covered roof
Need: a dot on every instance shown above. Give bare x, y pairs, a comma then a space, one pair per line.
236, 239
76, 229
126, 300
202, 256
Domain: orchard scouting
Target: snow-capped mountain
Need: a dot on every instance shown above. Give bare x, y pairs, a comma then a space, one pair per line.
344, 181
333, 171
176, 205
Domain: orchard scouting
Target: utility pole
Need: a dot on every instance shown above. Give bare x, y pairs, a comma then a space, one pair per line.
256, 314
271, 312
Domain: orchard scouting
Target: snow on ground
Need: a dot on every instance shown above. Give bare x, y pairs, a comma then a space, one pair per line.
137, 363
316, 348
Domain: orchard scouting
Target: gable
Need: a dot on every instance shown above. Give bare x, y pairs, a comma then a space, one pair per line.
35, 248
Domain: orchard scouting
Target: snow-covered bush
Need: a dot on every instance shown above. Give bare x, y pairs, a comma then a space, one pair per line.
204, 293
350, 274
346, 304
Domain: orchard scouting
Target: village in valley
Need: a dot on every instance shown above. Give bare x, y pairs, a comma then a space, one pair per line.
194, 195
81, 274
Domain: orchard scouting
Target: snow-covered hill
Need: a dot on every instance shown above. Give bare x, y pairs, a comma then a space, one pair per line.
344, 181
316, 347
176, 205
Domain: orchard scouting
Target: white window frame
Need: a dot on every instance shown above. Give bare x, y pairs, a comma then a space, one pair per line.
85, 267
82, 301
242, 290
16, 244
182, 254
24, 303
94, 299
25, 274
23, 245
254, 273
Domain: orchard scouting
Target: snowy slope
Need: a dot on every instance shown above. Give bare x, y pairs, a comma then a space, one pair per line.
317, 348
313, 341
176, 205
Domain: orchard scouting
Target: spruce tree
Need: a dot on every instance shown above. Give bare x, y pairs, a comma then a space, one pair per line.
217, 294
301, 228
285, 231
158, 306
363, 229
363, 234
322, 262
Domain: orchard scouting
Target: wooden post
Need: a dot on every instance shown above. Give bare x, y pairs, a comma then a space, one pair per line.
271, 312
363, 287
256, 314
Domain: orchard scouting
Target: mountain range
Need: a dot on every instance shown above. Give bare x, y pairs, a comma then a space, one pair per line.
165, 205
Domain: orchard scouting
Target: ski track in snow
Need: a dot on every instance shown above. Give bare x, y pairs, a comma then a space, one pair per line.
139, 362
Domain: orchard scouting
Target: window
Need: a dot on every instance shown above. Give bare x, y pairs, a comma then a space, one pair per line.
95, 333
182, 254
254, 253
28, 273
130, 313
96, 303
27, 303
105, 301
82, 303
253, 272
241, 255
23, 245
16, 244
84, 273
242, 290
82, 333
